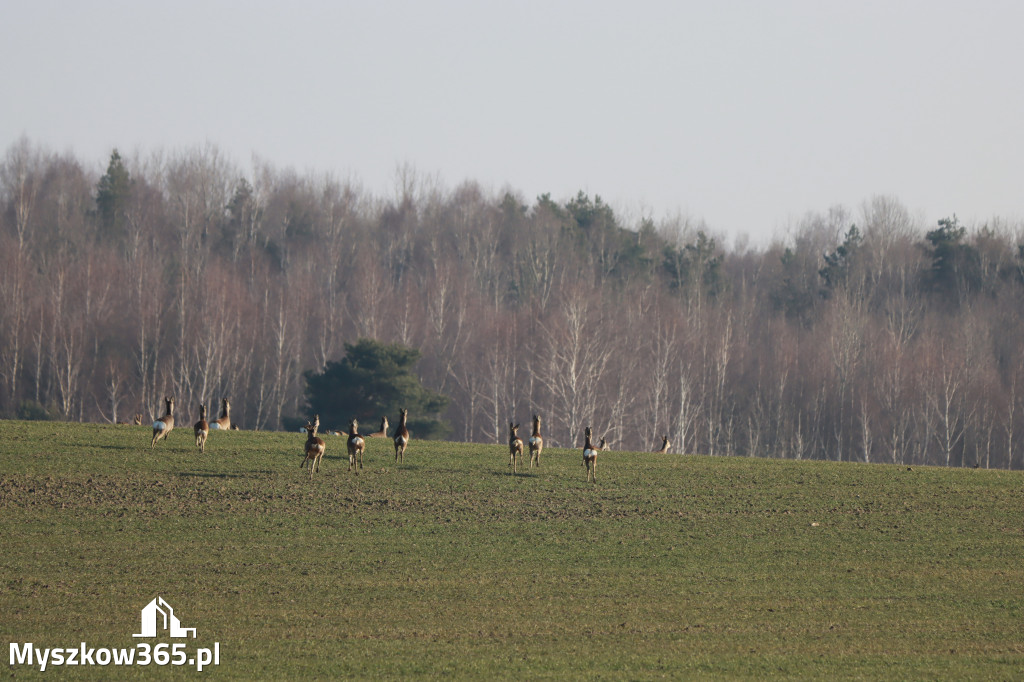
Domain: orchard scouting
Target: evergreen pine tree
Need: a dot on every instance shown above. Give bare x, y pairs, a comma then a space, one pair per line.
373, 380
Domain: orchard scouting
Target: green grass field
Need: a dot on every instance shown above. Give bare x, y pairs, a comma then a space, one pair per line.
449, 566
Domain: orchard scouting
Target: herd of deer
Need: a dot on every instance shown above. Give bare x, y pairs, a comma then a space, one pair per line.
165, 424
356, 442
536, 443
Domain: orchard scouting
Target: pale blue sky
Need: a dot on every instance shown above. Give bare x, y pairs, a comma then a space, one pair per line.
744, 114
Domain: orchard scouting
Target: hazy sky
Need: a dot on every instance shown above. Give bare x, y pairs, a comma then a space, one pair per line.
744, 114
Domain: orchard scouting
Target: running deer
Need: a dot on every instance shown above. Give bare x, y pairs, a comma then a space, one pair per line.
665, 445
401, 436
603, 445
163, 425
590, 456
536, 442
383, 429
314, 447
356, 445
223, 422
202, 429
515, 446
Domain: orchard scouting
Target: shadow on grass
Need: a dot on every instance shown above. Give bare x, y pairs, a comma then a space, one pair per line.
125, 446
208, 474
521, 474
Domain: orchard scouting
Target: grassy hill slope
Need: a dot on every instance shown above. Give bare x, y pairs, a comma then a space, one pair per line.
449, 565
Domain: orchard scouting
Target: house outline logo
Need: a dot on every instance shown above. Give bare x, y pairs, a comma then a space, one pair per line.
158, 610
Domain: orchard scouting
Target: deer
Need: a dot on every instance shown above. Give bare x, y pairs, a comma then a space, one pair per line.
223, 422
383, 429
314, 447
515, 446
202, 429
590, 456
356, 445
163, 425
536, 442
665, 445
401, 435
603, 445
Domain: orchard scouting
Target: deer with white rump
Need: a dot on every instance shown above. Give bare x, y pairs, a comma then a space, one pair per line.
590, 456
202, 429
164, 425
536, 442
223, 422
401, 436
356, 445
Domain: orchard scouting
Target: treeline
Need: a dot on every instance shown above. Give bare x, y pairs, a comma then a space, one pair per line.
861, 335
